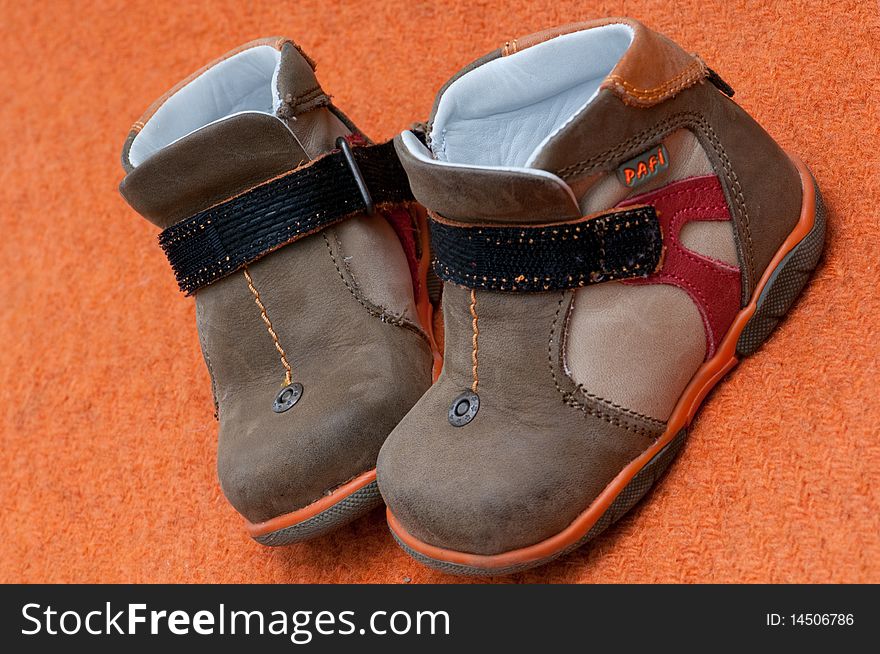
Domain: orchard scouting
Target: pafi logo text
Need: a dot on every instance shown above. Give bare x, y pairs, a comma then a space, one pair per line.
640, 169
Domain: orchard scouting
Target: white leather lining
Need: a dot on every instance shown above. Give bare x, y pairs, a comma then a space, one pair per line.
246, 82
503, 112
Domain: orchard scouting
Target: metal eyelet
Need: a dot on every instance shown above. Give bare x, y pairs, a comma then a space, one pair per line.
464, 409
287, 397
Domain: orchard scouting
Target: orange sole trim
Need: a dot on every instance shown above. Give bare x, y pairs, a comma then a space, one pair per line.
706, 377
313, 509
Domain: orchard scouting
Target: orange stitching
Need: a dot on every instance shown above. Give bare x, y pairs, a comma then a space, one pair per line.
695, 70
649, 100
695, 66
476, 336
265, 316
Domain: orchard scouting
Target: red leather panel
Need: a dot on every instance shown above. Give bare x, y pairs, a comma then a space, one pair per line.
714, 286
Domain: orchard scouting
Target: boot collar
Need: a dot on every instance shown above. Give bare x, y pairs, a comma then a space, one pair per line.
499, 128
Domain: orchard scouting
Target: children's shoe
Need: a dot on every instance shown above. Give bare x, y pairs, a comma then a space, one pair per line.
306, 256
614, 234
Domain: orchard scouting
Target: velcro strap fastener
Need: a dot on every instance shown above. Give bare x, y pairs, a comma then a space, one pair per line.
617, 244
220, 240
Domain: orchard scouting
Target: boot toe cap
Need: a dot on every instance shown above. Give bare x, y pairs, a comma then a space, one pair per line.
272, 464
497, 484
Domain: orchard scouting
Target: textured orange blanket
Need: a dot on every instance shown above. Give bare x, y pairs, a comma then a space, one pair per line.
107, 443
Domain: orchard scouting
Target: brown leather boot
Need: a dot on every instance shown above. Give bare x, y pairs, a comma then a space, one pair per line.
308, 309
615, 234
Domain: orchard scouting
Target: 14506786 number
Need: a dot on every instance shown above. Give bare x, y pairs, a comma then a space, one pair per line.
811, 620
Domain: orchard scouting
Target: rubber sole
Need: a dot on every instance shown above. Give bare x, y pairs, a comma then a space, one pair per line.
346, 503
777, 292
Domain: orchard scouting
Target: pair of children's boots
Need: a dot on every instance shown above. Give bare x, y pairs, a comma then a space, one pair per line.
587, 235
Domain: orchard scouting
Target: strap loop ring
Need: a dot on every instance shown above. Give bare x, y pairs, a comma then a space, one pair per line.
342, 144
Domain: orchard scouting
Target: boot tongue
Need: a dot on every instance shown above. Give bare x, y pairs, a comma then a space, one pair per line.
251, 115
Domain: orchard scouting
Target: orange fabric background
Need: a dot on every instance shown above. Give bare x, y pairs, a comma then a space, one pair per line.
107, 443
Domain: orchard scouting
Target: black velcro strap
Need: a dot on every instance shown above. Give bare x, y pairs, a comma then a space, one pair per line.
619, 244
222, 239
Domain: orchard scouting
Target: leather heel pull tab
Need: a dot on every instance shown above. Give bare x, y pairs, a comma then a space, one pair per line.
719, 83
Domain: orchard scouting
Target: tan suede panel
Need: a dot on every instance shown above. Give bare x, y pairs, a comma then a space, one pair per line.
712, 239
635, 346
